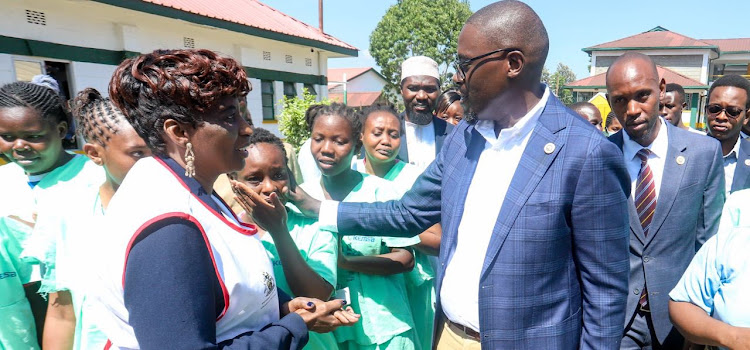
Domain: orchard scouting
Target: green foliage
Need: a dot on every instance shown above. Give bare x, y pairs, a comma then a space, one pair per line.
561, 77
418, 27
292, 118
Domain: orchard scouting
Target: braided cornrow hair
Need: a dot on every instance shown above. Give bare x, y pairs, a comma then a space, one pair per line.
40, 98
97, 119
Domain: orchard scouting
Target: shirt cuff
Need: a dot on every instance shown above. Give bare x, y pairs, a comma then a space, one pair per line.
328, 215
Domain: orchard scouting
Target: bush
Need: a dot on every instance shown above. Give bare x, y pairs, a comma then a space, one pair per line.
292, 118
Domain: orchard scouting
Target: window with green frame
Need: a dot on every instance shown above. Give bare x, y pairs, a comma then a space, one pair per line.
290, 90
311, 89
266, 95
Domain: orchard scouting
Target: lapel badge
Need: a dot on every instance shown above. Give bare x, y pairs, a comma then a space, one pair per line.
549, 148
680, 160
747, 162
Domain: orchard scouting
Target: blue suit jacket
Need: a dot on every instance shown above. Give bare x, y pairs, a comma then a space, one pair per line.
741, 179
687, 213
555, 274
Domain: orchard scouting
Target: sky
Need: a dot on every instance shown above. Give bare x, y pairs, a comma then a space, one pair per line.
571, 24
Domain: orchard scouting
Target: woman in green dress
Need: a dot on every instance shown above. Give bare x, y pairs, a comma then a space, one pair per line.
303, 257
381, 140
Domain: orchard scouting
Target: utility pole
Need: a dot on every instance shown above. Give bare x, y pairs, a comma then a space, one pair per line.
320, 15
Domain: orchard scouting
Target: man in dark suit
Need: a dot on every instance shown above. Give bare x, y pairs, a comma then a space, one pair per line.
669, 220
523, 262
726, 111
424, 133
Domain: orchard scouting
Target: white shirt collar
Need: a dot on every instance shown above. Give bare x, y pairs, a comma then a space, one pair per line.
735, 150
418, 126
520, 130
658, 148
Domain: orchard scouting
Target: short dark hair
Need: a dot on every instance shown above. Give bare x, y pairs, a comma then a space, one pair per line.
352, 116
42, 99
380, 107
261, 135
611, 116
581, 105
173, 84
732, 80
445, 100
96, 117
677, 88
310, 114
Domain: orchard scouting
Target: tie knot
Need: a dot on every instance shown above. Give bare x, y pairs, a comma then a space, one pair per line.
643, 154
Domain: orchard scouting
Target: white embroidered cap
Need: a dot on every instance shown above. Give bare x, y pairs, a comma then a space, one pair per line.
419, 65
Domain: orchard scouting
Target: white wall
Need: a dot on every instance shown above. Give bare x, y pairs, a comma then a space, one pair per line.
6, 69
368, 82
96, 25
84, 74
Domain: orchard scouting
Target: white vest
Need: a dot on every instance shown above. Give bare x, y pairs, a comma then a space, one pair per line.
151, 192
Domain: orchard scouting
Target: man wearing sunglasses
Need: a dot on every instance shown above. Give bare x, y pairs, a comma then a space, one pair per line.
726, 111
669, 220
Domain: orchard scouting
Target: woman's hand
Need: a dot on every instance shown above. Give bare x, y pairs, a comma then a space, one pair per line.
308, 205
323, 316
269, 216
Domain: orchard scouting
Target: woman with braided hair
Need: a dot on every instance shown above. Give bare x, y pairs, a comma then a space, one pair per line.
33, 123
72, 231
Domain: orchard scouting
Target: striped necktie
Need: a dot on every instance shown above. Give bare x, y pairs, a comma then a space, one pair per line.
645, 204
645, 192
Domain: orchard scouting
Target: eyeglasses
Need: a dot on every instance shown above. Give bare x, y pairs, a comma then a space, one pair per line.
463, 65
731, 111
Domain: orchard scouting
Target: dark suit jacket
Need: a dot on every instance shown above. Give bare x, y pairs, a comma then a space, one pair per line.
741, 179
554, 274
442, 129
687, 214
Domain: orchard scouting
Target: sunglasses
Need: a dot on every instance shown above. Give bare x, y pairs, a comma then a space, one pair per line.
731, 111
462, 66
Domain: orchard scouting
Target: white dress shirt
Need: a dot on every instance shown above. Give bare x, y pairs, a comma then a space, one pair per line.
420, 143
656, 159
496, 166
730, 163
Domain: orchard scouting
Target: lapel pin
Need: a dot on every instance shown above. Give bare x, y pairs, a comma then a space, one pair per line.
680, 160
549, 148
747, 162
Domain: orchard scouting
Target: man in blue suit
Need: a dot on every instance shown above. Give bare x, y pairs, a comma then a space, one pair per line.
726, 111
669, 220
526, 262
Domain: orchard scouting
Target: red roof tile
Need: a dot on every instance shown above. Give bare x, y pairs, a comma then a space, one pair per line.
337, 74
655, 39
669, 75
739, 44
356, 99
252, 13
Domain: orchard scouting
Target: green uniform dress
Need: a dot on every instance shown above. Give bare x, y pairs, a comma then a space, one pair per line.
318, 248
420, 281
18, 214
387, 321
65, 241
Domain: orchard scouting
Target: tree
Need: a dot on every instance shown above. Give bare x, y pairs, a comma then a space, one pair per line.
418, 27
561, 77
292, 118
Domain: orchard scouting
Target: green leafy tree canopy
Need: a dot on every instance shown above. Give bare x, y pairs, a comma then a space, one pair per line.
418, 27
561, 77
292, 118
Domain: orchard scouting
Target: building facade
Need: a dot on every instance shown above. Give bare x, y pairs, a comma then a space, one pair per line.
80, 43
692, 63
358, 87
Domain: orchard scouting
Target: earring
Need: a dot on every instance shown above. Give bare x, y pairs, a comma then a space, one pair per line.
189, 161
